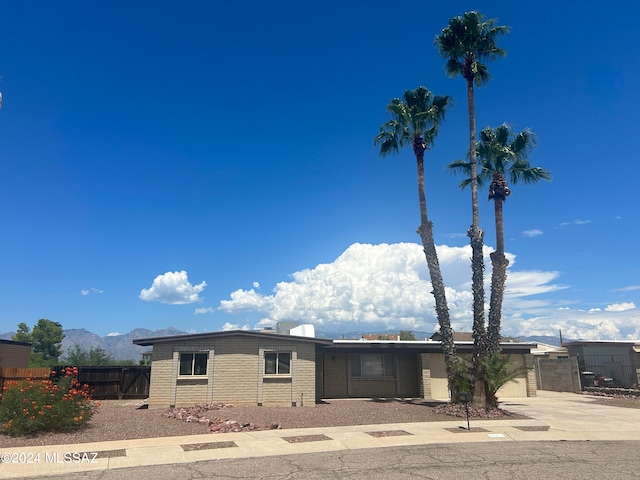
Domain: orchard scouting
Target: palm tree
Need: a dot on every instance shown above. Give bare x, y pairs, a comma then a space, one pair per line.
466, 42
415, 121
501, 153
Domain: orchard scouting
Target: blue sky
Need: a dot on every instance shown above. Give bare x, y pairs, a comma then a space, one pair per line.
211, 166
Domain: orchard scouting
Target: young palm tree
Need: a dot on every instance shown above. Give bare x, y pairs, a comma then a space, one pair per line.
502, 153
415, 121
466, 42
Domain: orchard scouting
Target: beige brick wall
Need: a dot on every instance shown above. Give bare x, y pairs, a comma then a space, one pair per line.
191, 392
439, 383
436, 375
277, 392
162, 386
235, 373
531, 383
424, 375
517, 388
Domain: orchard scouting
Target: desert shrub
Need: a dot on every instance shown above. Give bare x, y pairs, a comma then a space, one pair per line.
497, 370
30, 406
462, 377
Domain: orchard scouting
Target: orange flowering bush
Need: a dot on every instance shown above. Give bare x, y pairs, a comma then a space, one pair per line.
30, 406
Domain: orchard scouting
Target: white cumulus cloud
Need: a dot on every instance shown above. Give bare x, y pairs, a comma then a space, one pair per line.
387, 286
173, 288
234, 326
376, 286
620, 307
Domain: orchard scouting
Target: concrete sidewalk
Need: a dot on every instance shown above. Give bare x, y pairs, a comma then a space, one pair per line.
553, 417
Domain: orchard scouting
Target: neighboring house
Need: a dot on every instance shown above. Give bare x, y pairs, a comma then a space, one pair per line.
544, 350
616, 360
14, 354
457, 337
258, 368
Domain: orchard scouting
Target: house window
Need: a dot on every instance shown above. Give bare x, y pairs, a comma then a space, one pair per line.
372, 365
277, 363
193, 363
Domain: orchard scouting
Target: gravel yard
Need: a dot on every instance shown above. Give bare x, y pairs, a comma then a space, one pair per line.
123, 420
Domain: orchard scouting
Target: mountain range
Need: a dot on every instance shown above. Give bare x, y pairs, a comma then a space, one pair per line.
121, 347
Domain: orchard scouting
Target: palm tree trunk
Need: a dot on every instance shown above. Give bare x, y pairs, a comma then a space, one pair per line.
499, 263
476, 236
425, 230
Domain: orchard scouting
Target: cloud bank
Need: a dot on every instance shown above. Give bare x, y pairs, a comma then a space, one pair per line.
173, 288
387, 287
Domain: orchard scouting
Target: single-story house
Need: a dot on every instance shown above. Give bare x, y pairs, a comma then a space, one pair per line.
245, 367
617, 360
14, 354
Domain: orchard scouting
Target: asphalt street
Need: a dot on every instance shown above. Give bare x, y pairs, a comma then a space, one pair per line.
566, 460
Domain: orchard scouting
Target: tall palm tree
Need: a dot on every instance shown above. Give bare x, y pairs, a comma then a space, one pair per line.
466, 42
502, 153
415, 119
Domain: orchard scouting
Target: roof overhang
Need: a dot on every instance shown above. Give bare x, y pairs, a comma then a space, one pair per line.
389, 346
145, 342
14, 342
618, 343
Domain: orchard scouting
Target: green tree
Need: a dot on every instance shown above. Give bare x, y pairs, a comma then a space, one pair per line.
466, 43
501, 153
46, 342
415, 119
23, 333
407, 335
76, 356
96, 356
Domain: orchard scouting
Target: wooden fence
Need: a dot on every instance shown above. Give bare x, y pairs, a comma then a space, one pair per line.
104, 382
8, 374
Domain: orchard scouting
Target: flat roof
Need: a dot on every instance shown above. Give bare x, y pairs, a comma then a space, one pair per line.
414, 346
601, 342
228, 333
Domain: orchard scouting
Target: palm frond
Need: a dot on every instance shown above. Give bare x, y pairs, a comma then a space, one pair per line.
500, 150
417, 114
461, 167
472, 39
